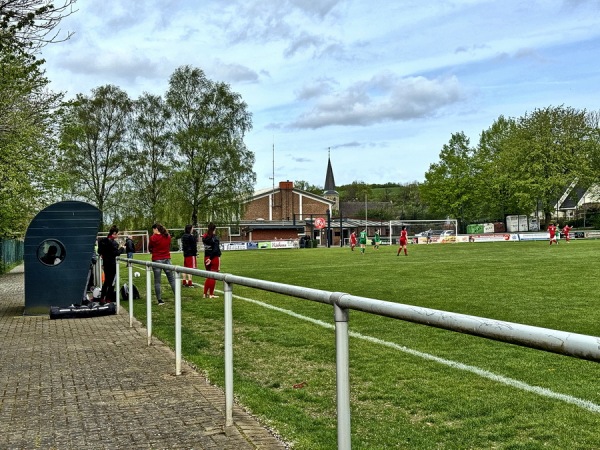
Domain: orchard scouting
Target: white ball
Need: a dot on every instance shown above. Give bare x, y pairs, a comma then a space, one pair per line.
136, 274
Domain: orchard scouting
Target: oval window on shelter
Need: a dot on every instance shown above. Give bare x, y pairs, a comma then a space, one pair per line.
51, 252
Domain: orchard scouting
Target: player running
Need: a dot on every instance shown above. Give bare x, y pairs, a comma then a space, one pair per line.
552, 231
403, 240
566, 230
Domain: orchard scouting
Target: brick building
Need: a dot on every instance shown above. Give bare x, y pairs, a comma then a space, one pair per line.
282, 213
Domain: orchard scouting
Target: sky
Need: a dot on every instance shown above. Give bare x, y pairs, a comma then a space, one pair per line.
377, 86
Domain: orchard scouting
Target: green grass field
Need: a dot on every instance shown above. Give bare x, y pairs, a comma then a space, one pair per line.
415, 387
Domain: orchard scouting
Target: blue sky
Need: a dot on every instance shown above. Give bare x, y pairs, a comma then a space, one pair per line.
382, 85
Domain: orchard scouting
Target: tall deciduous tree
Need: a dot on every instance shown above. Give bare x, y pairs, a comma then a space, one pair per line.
548, 150
94, 139
151, 154
209, 124
448, 187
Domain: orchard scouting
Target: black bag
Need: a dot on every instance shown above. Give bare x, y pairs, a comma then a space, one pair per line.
125, 292
75, 311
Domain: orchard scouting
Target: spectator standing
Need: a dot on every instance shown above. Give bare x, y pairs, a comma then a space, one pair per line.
189, 245
159, 245
212, 259
129, 247
109, 248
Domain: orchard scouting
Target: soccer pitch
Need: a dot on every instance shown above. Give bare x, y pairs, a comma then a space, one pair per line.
412, 386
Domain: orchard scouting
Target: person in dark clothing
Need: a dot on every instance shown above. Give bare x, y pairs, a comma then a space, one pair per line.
109, 249
129, 247
212, 259
189, 246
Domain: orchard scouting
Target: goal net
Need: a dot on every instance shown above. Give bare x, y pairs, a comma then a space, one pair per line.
420, 228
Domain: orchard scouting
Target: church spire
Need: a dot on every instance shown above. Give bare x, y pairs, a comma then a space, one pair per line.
329, 188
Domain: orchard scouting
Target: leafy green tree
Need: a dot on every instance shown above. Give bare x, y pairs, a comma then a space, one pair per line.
494, 183
214, 167
28, 177
547, 151
448, 187
151, 154
94, 139
306, 186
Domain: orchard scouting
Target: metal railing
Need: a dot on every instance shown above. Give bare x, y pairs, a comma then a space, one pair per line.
560, 342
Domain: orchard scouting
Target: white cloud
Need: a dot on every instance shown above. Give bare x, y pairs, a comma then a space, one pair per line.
386, 80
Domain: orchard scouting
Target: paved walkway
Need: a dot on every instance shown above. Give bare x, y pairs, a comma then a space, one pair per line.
95, 384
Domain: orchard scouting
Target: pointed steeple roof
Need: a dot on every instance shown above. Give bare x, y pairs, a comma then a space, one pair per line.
329, 187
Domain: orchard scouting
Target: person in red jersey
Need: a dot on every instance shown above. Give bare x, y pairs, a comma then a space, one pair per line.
159, 245
353, 240
552, 231
212, 259
566, 230
403, 241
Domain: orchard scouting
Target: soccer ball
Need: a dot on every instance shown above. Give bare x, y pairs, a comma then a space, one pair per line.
136, 274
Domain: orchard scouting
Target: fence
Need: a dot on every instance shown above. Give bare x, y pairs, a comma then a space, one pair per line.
11, 253
561, 342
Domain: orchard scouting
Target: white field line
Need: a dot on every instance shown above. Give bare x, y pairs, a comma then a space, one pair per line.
584, 404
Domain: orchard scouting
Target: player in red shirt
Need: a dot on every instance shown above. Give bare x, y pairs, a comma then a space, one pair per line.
566, 230
353, 240
552, 231
403, 241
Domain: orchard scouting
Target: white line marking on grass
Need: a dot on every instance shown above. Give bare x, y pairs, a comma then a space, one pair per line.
584, 404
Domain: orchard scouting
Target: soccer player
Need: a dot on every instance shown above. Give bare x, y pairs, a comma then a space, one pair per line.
362, 240
212, 259
352, 240
189, 245
403, 240
566, 230
377, 239
552, 231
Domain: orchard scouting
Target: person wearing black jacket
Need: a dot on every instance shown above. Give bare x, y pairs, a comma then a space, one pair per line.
189, 246
129, 247
212, 258
109, 248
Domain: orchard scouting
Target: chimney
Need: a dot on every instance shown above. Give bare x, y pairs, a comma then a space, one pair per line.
286, 185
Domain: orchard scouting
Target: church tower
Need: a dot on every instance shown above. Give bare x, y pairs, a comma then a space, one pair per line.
329, 192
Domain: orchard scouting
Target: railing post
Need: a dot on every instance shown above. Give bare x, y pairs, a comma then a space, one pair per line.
149, 303
228, 305
342, 377
117, 286
130, 267
177, 323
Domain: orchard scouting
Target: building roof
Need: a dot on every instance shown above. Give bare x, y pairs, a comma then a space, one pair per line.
268, 191
329, 188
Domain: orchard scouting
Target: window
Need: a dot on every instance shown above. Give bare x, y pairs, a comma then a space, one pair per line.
51, 252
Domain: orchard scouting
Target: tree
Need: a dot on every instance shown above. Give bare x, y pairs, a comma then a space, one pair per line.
494, 183
94, 140
448, 187
306, 186
548, 150
214, 167
31, 24
28, 176
151, 153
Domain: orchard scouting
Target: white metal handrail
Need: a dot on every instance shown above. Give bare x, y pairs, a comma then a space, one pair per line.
555, 341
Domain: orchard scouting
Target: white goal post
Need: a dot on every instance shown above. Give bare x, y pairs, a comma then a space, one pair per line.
422, 226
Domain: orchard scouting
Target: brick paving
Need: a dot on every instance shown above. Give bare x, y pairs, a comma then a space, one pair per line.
94, 383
